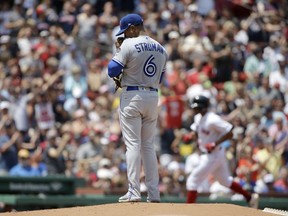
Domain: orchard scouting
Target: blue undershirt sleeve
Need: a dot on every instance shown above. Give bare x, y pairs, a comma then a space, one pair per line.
114, 68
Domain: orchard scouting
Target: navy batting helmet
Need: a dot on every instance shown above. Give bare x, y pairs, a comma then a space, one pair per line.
200, 101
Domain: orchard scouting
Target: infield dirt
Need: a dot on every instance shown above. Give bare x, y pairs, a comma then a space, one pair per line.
147, 209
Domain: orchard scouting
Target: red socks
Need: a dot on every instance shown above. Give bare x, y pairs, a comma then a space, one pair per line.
238, 189
191, 196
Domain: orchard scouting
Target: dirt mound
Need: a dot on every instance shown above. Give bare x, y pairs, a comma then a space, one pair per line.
147, 209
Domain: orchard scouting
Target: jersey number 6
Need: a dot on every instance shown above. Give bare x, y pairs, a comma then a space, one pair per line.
150, 67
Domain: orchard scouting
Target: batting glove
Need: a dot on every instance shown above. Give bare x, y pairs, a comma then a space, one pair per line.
210, 146
187, 137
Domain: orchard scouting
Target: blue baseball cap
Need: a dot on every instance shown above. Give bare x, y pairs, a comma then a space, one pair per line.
128, 20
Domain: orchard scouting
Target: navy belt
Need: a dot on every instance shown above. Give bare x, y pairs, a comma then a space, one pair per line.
137, 88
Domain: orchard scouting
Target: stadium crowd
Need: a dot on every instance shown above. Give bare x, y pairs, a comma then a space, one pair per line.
59, 110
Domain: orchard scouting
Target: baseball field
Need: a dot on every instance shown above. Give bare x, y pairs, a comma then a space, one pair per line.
147, 209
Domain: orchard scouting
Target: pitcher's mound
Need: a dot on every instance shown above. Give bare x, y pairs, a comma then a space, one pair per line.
147, 209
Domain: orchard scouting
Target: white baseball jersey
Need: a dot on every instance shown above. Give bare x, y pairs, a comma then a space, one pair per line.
210, 128
144, 61
137, 56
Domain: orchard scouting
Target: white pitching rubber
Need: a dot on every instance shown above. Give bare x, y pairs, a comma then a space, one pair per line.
276, 211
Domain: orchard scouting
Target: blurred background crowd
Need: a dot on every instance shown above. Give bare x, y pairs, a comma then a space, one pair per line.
58, 109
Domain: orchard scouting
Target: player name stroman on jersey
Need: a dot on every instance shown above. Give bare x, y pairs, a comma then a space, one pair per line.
142, 47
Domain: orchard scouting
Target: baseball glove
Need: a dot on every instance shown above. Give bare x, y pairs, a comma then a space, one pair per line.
119, 42
118, 78
117, 81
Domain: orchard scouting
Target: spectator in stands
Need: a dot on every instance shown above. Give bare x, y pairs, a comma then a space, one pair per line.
37, 161
195, 45
24, 167
92, 148
95, 78
12, 19
271, 50
44, 113
19, 103
67, 18
107, 22
76, 88
191, 16
278, 78
252, 64
4, 113
232, 85
255, 27
267, 159
221, 57
177, 79
70, 57
85, 30
75, 80
279, 135
173, 48
281, 183
265, 93
9, 144
267, 118
105, 174
53, 153
79, 127
8, 49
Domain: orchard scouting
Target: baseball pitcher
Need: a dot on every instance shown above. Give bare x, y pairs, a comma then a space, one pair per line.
137, 67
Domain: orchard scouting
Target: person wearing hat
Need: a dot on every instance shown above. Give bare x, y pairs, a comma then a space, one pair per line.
141, 61
7, 49
172, 47
24, 167
210, 132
